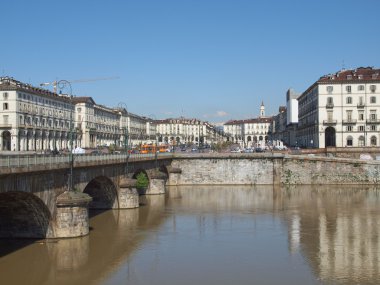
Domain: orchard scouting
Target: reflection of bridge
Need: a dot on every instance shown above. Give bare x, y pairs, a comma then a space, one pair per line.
34, 201
88, 259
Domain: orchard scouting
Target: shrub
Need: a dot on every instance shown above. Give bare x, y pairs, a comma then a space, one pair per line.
142, 181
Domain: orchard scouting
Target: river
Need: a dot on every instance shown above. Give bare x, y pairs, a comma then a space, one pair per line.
215, 235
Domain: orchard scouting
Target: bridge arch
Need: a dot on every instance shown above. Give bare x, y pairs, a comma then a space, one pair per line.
103, 193
23, 215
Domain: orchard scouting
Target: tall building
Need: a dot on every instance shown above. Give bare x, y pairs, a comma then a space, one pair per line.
341, 109
278, 131
291, 118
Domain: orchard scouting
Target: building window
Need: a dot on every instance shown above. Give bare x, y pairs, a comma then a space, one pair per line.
373, 141
349, 115
330, 100
361, 141
373, 128
5, 106
349, 77
372, 115
348, 89
360, 87
361, 128
372, 99
372, 88
349, 128
329, 89
349, 141
360, 76
5, 119
329, 116
349, 100
5, 95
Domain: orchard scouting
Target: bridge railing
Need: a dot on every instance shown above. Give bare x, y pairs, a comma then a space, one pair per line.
11, 161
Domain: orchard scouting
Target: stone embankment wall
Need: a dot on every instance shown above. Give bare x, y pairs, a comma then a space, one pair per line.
321, 170
227, 170
274, 169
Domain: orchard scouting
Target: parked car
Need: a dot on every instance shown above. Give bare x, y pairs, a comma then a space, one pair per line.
259, 149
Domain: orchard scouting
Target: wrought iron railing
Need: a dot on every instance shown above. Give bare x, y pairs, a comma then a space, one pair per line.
31, 160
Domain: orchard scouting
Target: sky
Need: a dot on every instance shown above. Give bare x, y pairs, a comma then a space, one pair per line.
214, 60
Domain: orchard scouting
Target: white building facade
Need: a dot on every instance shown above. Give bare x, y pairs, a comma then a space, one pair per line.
187, 131
340, 110
33, 118
36, 119
250, 132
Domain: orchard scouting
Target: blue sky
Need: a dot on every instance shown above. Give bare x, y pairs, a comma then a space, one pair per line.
209, 59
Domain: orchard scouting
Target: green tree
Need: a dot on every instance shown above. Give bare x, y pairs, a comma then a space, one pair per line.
142, 181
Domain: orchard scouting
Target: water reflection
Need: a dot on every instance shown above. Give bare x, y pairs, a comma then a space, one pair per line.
338, 230
87, 260
335, 228
216, 235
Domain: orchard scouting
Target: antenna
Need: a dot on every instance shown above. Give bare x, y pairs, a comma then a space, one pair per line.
343, 65
54, 83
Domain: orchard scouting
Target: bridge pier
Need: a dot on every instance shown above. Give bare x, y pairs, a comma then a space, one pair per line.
72, 215
127, 194
157, 181
174, 175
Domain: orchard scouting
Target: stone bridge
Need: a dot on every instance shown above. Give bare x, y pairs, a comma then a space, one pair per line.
34, 201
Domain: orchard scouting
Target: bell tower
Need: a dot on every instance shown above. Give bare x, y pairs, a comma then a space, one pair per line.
262, 109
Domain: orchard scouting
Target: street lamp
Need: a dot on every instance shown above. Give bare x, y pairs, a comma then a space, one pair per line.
62, 84
124, 110
156, 150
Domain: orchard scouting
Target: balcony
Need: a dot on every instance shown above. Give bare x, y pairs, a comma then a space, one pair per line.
329, 122
349, 122
329, 105
361, 105
6, 125
372, 121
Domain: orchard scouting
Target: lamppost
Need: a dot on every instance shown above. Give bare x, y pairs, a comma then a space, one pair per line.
156, 150
124, 111
62, 84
